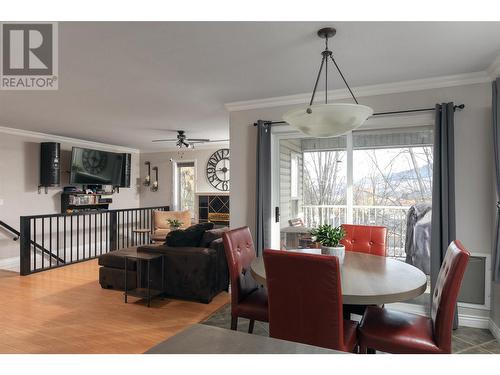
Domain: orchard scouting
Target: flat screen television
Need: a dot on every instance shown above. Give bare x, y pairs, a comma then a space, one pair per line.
95, 167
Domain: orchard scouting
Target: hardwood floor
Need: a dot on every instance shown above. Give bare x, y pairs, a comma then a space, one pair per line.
66, 311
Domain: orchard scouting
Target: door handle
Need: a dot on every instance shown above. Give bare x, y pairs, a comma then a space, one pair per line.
276, 214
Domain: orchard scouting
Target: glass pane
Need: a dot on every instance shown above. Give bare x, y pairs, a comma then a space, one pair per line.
386, 183
318, 169
186, 188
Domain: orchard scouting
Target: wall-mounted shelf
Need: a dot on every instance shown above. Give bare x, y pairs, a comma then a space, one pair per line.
77, 202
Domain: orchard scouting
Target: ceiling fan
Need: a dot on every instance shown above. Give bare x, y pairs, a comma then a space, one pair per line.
183, 141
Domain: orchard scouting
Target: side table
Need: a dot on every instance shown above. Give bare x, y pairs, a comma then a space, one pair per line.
145, 292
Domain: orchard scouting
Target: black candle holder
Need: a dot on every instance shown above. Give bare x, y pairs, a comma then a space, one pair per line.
147, 179
155, 182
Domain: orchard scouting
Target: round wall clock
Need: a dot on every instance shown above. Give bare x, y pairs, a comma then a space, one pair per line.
218, 169
94, 161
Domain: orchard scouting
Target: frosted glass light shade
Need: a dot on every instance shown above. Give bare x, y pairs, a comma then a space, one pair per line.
328, 120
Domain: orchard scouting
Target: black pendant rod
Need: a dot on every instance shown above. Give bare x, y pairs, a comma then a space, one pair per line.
456, 108
317, 80
343, 79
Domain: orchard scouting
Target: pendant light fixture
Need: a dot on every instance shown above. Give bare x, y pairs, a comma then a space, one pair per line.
329, 119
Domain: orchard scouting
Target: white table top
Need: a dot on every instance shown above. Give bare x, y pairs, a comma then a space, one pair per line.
369, 279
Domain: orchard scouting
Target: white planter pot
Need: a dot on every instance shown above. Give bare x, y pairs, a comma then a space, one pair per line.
338, 251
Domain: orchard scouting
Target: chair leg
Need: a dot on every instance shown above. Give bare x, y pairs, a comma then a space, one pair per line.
363, 349
250, 326
234, 323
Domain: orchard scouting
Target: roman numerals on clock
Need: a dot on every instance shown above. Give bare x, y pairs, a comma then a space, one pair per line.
218, 169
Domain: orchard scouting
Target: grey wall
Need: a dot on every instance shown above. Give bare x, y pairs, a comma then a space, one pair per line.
474, 160
19, 178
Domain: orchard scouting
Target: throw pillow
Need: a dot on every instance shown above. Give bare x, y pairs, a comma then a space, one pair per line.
247, 283
189, 237
212, 235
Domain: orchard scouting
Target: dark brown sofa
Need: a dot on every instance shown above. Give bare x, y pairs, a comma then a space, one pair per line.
194, 273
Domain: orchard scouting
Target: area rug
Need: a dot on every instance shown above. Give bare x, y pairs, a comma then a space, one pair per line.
222, 319
465, 340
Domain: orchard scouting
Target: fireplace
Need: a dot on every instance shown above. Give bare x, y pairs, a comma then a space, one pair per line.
213, 208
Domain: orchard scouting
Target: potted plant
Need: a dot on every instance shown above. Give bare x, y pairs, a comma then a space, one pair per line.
329, 237
174, 224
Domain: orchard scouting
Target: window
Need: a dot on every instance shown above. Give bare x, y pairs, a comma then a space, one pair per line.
369, 177
186, 186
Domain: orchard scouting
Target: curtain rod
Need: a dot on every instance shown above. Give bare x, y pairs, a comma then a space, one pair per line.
456, 108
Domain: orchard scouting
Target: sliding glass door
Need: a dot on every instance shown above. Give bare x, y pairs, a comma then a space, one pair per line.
367, 177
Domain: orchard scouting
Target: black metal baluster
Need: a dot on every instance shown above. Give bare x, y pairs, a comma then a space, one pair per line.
128, 227
107, 230
50, 242
83, 234
95, 235
43, 242
71, 239
64, 238
100, 237
78, 237
57, 240
34, 248
90, 236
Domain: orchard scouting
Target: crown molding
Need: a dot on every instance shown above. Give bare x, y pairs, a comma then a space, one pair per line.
371, 90
61, 139
494, 69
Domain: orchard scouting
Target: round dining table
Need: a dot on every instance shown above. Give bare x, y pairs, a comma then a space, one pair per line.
368, 279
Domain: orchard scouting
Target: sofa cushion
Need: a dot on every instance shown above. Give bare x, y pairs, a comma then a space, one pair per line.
189, 237
160, 219
116, 259
212, 235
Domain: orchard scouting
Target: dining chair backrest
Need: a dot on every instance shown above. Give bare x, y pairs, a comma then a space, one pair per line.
305, 298
240, 252
444, 296
367, 239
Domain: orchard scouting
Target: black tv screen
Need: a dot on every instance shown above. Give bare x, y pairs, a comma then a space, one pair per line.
94, 167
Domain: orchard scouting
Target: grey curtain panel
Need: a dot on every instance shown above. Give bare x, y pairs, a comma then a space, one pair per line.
443, 189
496, 148
263, 199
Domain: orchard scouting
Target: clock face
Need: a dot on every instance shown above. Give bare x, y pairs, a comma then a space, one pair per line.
94, 161
218, 169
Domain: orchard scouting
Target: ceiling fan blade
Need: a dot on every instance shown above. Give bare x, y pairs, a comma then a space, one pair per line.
197, 140
219, 140
164, 140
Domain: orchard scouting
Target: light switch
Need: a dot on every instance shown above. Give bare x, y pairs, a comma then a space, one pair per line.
1, 201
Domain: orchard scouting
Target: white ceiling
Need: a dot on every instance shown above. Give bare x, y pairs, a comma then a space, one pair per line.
126, 83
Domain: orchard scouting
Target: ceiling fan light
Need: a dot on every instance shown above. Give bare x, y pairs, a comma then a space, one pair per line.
328, 120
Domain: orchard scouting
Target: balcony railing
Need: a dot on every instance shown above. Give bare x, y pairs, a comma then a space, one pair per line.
393, 217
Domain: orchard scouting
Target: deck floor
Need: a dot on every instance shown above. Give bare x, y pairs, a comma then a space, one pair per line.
66, 311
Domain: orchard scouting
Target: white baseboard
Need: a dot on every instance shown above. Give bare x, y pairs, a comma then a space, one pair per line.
472, 321
495, 331
11, 264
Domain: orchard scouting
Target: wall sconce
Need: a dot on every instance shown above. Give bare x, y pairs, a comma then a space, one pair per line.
147, 179
155, 182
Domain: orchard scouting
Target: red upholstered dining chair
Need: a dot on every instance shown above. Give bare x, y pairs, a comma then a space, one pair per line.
248, 299
367, 239
398, 332
305, 300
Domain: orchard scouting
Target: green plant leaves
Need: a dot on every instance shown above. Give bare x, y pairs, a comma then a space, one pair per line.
328, 235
